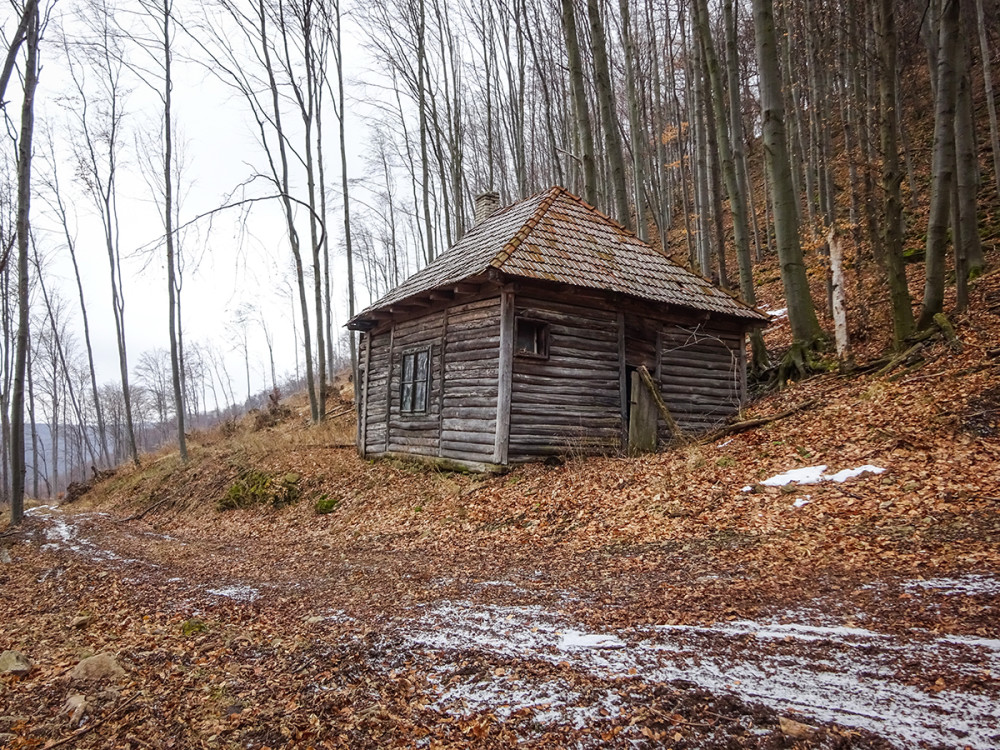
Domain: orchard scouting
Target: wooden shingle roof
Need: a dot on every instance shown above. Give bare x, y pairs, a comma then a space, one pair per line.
555, 236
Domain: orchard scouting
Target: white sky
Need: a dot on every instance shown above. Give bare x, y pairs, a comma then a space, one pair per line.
221, 152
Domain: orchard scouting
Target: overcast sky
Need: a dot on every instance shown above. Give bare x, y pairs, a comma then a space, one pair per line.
230, 263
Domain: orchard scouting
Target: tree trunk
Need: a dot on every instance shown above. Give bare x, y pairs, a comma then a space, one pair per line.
729, 168
942, 163
991, 105
23, 237
892, 226
966, 171
634, 122
168, 222
801, 312
583, 122
609, 119
838, 307
422, 107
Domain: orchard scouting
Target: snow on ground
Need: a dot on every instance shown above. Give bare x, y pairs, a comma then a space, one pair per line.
815, 475
64, 534
969, 585
237, 593
829, 673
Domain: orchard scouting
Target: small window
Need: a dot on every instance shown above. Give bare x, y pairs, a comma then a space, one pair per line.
415, 382
531, 338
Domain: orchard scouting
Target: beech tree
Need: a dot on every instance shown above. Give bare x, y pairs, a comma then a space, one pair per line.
801, 313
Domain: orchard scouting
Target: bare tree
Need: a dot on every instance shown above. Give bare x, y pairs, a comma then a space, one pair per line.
32, 37
99, 120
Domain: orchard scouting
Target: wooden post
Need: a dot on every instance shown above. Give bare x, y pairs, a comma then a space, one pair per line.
622, 375
742, 374
388, 387
642, 419
504, 376
363, 406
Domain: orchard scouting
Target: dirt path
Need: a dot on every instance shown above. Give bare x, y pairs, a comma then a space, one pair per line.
483, 653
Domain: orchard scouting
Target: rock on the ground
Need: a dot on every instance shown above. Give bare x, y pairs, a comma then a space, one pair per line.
795, 729
14, 662
4, 556
75, 707
82, 621
99, 667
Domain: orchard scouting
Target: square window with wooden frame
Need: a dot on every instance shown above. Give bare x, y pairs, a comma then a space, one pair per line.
415, 382
531, 338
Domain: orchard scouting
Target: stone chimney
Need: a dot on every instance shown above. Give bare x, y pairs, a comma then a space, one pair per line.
487, 204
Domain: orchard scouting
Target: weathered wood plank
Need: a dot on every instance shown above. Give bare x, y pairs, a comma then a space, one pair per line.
531, 398
605, 381
362, 437
388, 388
674, 382
709, 368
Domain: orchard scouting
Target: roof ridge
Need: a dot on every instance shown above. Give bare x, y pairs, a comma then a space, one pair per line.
528, 226
600, 213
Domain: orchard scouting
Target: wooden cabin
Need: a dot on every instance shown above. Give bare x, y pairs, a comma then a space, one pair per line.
524, 339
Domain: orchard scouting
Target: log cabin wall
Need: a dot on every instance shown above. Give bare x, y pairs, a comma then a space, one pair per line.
459, 421
568, 398
576, 398
702, 373
469, 399
416, 430
374, 389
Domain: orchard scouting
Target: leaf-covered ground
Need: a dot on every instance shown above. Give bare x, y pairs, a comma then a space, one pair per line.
673, 600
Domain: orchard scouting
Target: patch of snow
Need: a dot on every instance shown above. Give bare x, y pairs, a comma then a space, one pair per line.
574, 639
831, 673
723, 445
62, 534
815, 475
805, 475
779, 313
845, 474
799, 502
968, 585
237, 593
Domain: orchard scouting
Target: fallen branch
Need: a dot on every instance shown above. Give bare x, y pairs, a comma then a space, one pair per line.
738, 427
83, 730
647, 380
339, 413
899, 359
142, 514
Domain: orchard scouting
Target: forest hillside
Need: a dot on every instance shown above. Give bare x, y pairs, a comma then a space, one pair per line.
826, 579
821, 572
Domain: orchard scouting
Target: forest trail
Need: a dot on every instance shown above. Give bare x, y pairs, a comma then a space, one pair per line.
828, 580
507, 650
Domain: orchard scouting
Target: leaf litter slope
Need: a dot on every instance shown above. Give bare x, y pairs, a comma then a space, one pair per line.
603, 602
